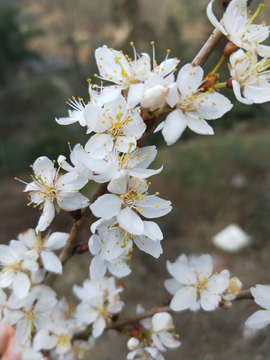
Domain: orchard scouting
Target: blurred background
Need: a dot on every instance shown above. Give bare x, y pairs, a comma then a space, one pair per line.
46, 56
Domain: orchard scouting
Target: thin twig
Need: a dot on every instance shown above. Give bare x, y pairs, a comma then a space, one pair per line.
118, 324
208, 48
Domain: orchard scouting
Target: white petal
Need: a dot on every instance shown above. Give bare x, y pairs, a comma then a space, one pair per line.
161, 320
209, 301
106, 206
174, 126
94, 244
261, 295
135, 94
28, 237
148, 245
119, 184
213, 19
97, 268
118, 268
6, 278
23, 331
98, 145
46, 217
214, 106
257, 92
204, 266
259, 319
12, 317
217, 284
172, 285
152, 230
153, 206
189, 79
56, 240
183, 299
199, 126
238, 94
130, 221
21, 285
183, 273
99, 326
51, 262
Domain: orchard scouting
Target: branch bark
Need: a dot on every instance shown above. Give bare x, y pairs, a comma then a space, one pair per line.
118, 324
208, 48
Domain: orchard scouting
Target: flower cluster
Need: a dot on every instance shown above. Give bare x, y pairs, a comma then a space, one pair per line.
153, 337
100, 301
195, 286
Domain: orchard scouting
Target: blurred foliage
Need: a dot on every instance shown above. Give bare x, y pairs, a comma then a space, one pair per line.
13, 42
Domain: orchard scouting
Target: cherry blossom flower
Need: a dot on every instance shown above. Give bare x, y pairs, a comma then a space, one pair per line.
161, 324
155, 339
39, 247
36, 309
239, 29
250, 79
126, 74
75, 115
53, 191
129, 197
100, 300
59, 338
200, 286
15, 264
78, 106
193, 106
234, 287
136, 161
114, 126
159, 84
117, 267
260, 318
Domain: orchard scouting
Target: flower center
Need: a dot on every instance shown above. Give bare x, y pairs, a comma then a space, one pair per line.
63, 341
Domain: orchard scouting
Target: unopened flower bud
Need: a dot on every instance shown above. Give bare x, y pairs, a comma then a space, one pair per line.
229, 48
133, 343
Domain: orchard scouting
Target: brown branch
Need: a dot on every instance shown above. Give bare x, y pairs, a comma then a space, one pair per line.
208, 48
118, 324
244, 294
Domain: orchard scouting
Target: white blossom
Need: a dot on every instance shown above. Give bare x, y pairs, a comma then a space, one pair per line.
250, 78
234, 287
129, 197
43, 247
114, 125
15, 264
136, 161
53, 191
201, 287
239, 27
75, 115
193, 106
117, 266
100, 300
260, 318
127, 75
36, 309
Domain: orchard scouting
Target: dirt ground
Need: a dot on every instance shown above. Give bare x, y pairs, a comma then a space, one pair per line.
205, 201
